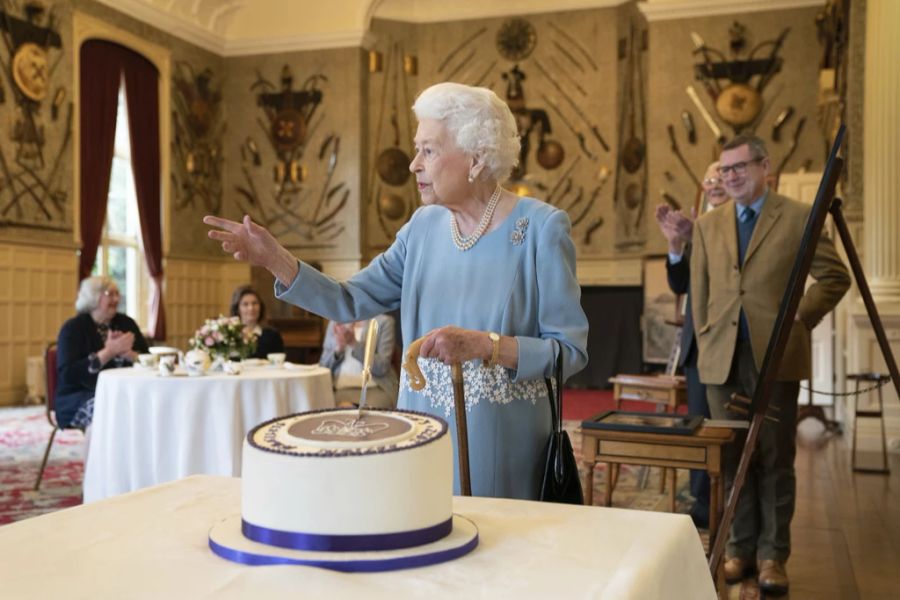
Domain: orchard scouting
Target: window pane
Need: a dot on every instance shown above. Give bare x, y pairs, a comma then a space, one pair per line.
123, 147
97, 269
132, 287
121, 255
117, 206
118, 271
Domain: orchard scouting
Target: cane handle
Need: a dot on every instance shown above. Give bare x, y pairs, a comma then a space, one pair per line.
411, 364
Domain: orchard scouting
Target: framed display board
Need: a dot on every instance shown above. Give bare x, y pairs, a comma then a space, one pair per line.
642, 422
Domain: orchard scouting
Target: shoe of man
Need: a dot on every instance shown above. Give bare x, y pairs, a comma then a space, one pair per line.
736, 568
773, 578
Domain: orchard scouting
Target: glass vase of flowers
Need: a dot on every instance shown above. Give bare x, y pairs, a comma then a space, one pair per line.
225, 339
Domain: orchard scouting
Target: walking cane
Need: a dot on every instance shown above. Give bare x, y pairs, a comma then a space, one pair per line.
417, 382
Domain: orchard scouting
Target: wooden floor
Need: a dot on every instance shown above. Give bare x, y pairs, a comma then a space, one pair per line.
846, 528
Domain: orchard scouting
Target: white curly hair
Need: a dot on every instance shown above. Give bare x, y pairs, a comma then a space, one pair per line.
478, 120
89, 292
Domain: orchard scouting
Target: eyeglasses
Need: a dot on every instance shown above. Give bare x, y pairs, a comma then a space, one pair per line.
739, 168
111, 293
712, 180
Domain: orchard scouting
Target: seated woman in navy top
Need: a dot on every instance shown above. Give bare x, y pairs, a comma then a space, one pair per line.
98, 338
246, 304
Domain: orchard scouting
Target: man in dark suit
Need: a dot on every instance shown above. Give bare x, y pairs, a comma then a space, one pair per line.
741, 262
677, 228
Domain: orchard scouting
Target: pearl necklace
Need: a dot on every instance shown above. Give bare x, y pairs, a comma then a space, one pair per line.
465, 243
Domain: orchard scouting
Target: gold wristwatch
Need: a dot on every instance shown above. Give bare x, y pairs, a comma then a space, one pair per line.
495, 352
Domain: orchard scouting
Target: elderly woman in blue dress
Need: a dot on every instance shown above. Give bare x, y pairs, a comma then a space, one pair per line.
486, 276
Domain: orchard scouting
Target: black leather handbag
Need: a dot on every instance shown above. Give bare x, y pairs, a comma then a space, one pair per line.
561, 482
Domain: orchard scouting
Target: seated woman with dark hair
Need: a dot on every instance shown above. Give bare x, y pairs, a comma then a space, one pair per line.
246, 304
98, 338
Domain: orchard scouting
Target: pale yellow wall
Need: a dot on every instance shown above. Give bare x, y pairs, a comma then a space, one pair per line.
37, 294
197, 290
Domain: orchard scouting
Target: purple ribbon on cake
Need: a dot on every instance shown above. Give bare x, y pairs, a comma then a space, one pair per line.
346, 543
349, 566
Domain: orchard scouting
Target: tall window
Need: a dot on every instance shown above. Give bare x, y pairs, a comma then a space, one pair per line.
120, 255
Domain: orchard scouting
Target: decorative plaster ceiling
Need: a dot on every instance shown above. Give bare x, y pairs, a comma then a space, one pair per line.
239, 27
212, 15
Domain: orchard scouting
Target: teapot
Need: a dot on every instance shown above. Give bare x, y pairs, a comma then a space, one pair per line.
197, 361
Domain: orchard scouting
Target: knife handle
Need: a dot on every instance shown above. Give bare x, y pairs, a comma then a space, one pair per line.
371, 337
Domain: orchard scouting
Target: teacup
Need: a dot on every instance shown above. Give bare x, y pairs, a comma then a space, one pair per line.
147, 360
276, 358
232, 367
167, 364
161, 351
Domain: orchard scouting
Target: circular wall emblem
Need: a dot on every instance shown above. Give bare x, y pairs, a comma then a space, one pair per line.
516, 39
288, 129
29, 70
738, 104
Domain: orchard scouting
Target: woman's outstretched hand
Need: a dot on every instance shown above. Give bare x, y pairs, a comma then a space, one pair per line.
253, 243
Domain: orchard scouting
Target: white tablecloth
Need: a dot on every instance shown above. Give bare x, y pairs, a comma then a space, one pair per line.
153, 544
149, 429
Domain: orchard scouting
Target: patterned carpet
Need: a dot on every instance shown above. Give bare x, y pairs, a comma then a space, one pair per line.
23, 437
24, 433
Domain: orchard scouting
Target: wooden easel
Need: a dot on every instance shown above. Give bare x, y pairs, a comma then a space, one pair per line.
825, 203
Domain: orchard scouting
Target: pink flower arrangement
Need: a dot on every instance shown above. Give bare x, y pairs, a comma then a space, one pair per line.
224, 337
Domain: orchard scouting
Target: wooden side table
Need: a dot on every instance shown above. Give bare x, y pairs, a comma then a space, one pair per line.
702, 450
668, 391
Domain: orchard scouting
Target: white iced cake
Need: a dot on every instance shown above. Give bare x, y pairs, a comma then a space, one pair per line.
335, 482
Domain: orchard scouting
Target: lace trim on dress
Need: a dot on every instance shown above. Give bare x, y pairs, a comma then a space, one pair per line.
481, 384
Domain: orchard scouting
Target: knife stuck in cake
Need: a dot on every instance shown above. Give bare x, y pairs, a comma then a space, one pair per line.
371, 337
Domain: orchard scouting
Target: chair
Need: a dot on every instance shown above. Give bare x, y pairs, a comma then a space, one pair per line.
50, 373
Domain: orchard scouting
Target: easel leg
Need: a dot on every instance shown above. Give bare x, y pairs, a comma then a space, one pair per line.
866, 294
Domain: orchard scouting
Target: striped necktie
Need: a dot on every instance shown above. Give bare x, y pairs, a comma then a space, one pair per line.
746, 222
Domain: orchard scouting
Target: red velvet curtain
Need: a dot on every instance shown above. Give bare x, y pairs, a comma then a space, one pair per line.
101, 74
142, 94
103, 65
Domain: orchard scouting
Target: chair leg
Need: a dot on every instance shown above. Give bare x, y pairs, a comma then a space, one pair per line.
37, 485
884, 456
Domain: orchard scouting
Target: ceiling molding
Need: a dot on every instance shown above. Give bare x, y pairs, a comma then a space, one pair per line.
664, 10
319, 41
429, 11
204, 23
189, 28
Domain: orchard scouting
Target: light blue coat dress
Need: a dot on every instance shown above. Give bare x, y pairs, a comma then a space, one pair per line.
518, 280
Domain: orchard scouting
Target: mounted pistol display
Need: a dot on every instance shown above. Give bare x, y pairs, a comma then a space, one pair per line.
738, 101
304, 211
630, 198
392, 193
197, 144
